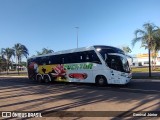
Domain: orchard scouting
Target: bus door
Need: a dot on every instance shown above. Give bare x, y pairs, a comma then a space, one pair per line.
115, 66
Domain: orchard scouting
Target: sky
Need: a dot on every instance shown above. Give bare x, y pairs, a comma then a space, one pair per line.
51, 24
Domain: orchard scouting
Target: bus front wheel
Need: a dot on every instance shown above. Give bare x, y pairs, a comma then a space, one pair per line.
101, 80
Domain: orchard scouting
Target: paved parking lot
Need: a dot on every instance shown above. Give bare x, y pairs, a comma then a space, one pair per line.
21, 94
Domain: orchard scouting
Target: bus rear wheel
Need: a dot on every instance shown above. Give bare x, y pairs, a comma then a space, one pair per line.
39, 79
46, 79
101, 80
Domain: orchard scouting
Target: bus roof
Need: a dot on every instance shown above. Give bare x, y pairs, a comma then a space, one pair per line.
66, 51
114, 50
110, 49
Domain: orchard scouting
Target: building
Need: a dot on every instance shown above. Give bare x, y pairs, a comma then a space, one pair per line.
142, 59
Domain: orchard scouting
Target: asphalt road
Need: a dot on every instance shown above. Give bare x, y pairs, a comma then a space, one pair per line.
22, 94
136, 85
157, 74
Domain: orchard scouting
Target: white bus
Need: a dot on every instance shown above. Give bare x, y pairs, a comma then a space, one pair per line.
95, 64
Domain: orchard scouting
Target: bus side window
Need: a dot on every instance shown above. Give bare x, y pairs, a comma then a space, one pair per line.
49, 60
55, 59
63, 60
43, 60
67, 58
79, 57
37, 60
70, 58
88, 56
91, 56
95, 58
74, 57
52, 59
60, 59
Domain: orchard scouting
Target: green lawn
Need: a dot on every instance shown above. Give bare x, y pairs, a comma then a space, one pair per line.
14, 73
144, 69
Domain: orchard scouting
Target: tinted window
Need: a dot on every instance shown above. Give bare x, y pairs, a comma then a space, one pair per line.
55, 59
91, 56
44, 60
71, 58
77, 57
37, 60
115, 62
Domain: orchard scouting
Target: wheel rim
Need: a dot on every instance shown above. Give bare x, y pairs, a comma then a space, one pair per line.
101, 81
46, 79
39, 79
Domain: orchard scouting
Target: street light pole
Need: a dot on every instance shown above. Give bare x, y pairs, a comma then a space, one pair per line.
77, 28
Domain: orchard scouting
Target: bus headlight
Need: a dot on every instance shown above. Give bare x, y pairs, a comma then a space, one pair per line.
123, 74
129, 75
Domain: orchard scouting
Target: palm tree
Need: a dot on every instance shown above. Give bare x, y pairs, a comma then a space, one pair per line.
2, 63
7, 53
156, 45
20, 51
45, 51
126, 49
146, 36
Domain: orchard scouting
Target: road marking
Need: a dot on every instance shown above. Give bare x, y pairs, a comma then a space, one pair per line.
141, 90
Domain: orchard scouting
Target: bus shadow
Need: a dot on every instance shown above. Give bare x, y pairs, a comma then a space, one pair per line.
25, 95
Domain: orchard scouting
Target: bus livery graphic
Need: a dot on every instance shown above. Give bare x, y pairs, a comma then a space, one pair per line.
80, 76
78, 66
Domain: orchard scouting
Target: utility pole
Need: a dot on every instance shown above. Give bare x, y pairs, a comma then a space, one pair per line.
77, 28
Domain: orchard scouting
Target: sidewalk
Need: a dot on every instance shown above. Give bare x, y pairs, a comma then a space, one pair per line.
16, 76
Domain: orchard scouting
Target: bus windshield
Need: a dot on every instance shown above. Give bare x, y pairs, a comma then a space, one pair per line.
118, 63
115, 62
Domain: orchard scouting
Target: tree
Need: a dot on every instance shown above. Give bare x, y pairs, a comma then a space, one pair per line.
156, 46
7, 53
146, 36
45, 51
20, 51
126, 49
3, 63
